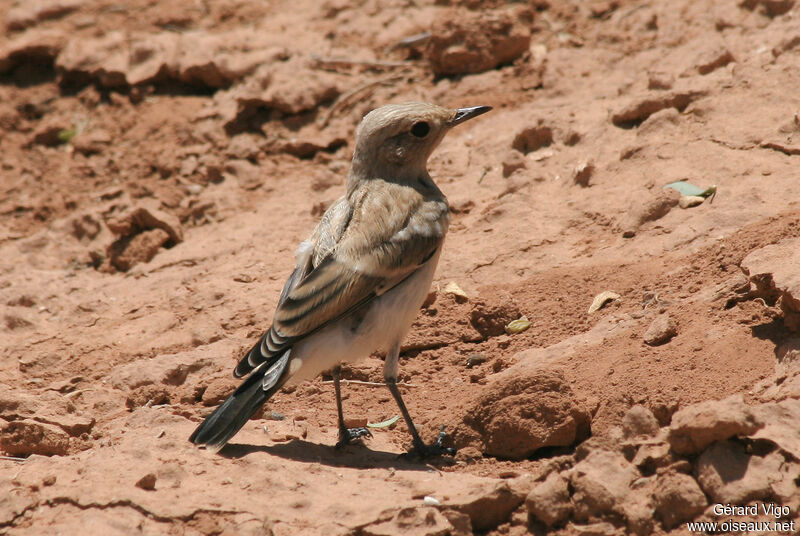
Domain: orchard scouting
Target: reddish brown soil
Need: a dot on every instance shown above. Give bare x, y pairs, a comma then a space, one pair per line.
147, 353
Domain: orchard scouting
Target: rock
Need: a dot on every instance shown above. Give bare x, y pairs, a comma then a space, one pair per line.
642, 211
125, 253
472, 42
198, 58
713, 59
513, 161
74, 425
729, 475
424, 521
775, 270
218, 60
659, 80
780, 425
640, 109
489, 317
487, 508
248, 175
659, 121
33, 11
639, 421
291, 87
218, 390
32, 47
771, 8
650, 457
522, 410
677, 498
90, 143
166, 369
661, 330
697, 426
25, 437
601, 481
147, 482
582, 173
462, 526
601, 528
638, 509
533, 138
549, 500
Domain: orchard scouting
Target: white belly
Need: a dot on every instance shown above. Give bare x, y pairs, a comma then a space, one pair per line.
384, 322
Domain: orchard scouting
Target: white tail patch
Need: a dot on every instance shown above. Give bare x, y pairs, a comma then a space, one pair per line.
274, 372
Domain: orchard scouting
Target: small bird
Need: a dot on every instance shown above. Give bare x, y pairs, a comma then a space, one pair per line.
361, 277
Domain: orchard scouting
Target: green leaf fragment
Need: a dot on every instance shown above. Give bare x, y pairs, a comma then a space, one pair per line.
67, 134
385, 424
687, 188
518, 326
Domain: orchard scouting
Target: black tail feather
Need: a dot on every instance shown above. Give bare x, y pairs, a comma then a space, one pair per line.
231, 415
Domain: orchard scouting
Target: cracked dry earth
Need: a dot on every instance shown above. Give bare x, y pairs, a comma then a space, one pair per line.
160, 162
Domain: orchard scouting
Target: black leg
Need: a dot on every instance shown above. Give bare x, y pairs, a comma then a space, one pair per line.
420, 450
346, 435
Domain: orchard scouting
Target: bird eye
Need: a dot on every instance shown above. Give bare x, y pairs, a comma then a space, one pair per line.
420, 129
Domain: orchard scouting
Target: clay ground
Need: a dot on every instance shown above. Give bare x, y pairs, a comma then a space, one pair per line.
231, 123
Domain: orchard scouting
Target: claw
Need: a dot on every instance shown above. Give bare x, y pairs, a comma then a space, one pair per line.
348, 435
429, 451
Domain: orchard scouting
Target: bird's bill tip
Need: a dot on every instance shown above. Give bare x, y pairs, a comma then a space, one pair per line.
462, 114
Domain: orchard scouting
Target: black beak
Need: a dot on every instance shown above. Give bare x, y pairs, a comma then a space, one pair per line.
462, 114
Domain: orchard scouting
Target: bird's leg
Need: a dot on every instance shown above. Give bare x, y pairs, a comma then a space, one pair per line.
346, 435
420, 449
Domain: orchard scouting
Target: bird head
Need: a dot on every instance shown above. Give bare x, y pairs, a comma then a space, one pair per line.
396, 140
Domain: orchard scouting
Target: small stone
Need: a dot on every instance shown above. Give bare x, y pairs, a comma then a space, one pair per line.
659, 80
713, 60
646, 210
639, 421
678, 499
476, 359
513, 162
472, 42
423, 521
549, 501
661, 330
533, 138
147, 482
582, 173
248, 176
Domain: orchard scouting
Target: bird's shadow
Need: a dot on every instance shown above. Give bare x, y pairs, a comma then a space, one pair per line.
354, 456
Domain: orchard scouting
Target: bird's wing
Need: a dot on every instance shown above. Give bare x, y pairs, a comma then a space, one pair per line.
381, 245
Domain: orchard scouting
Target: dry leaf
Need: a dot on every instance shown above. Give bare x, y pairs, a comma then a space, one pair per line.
601, 299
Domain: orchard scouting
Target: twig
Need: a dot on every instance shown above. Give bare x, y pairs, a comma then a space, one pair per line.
361, 63
344, 97
369, 384
410, 41
12, 458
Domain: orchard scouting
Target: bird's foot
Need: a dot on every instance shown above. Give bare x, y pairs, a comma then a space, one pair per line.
422, 450
348, 435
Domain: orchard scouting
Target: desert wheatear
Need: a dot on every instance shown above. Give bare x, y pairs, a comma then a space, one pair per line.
362, 275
